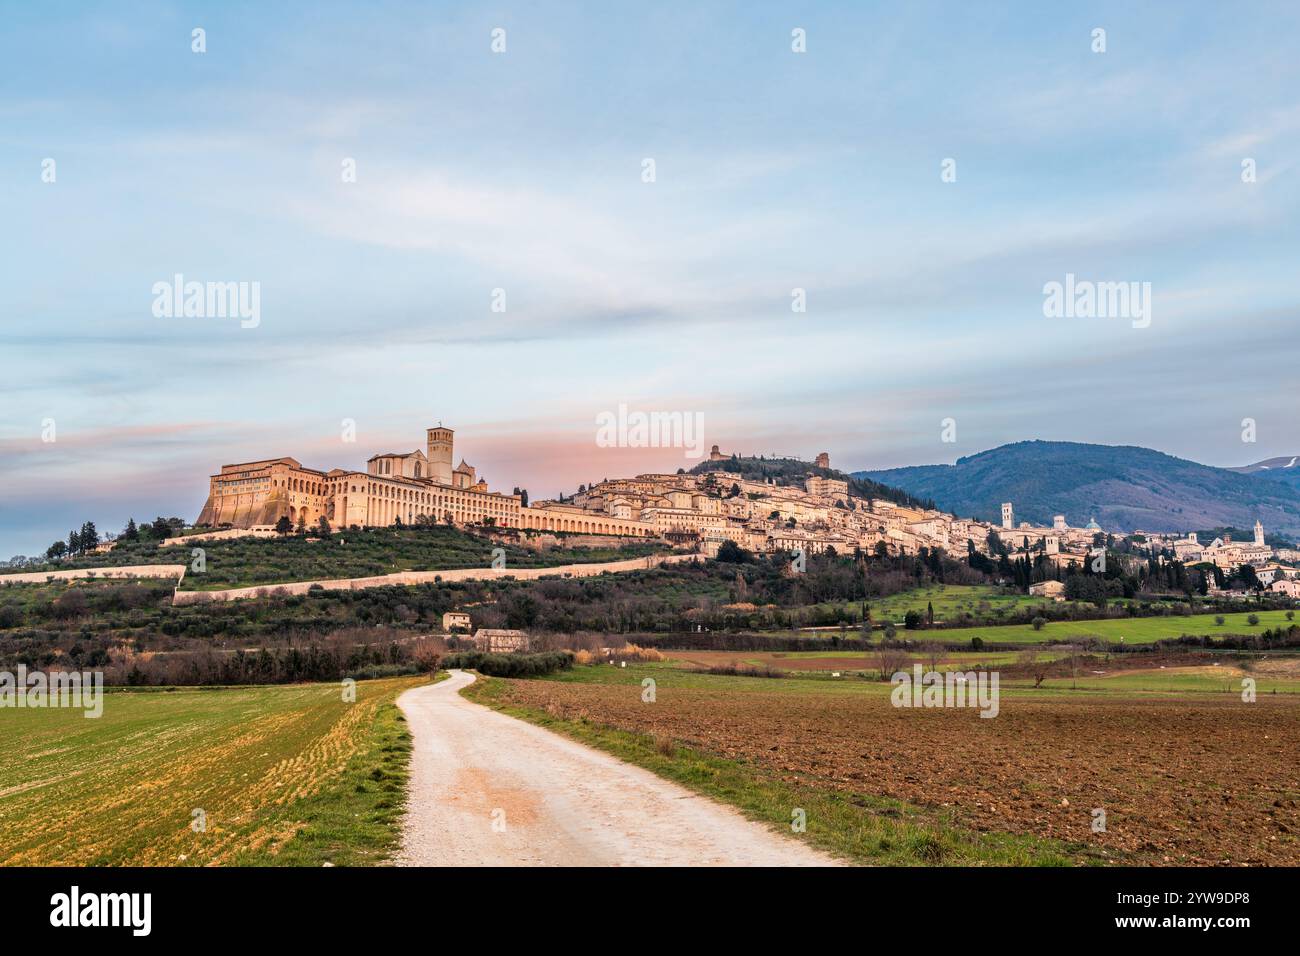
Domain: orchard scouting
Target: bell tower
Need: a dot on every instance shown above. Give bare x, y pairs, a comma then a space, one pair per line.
439, 454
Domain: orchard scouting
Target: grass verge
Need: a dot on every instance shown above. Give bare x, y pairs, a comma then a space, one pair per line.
356, 820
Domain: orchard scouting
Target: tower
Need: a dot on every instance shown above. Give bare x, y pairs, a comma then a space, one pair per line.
1008, 515
1058, 523
439, 454
1259, 534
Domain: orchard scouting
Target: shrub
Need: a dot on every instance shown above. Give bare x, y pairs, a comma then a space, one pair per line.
1252, 620
510, 665
376, 671
1038, 623
746, 670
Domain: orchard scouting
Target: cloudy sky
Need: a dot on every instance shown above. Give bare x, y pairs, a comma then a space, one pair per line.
523, 171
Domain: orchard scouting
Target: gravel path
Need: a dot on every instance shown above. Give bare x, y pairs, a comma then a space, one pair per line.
490, 790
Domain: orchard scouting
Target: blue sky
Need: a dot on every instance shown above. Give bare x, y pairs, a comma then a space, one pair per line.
522, 171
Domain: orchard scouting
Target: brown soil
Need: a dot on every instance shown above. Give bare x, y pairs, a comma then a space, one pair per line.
1182, 781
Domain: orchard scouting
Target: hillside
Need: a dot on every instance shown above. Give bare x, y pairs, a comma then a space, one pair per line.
1284, 470
1124, 487
792, 472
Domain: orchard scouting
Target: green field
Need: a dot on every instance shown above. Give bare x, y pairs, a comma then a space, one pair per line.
1135, 630
284, 775
949, 600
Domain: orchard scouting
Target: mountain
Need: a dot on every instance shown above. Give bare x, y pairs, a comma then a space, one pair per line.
1285, 470
1124, 487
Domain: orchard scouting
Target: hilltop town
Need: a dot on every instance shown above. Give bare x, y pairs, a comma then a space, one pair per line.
698, 510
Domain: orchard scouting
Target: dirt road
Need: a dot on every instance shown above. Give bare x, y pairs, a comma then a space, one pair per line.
490, 790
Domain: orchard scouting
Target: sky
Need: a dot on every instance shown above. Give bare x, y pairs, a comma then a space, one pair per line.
519, 178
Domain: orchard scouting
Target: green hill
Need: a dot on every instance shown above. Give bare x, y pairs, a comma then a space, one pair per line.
792, 472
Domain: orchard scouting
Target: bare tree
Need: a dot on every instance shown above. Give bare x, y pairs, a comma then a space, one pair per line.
1036, 666
890, 660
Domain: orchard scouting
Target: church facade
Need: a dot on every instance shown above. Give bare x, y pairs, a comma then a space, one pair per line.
395, 487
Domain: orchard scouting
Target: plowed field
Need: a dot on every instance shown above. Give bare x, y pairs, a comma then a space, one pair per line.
1181, 780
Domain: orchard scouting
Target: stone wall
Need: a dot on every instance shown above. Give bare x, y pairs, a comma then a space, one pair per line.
429, 577
176, 571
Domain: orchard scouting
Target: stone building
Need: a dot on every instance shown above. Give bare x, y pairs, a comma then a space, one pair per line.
456, 621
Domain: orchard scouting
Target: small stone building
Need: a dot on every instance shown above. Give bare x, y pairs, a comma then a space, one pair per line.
1052, 589
456, 621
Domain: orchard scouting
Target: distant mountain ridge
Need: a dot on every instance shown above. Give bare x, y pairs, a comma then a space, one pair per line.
1285, 470
1125, 487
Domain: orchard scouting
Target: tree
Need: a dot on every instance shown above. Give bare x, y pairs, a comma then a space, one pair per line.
161, 529
131, 532
284, 525
890, 660
74, 542
57, 550
1036, 666
1252, 620
731, 552
89, 536
912, 620
323, 526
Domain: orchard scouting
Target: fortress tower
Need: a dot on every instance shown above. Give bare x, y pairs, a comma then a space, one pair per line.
1259, 533
1008, 515
439, 454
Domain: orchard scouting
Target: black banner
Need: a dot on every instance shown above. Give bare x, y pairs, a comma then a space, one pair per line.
145, 906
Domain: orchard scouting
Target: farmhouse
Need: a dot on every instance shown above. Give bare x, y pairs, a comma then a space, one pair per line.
1288, 586
456, 621
1052, 589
